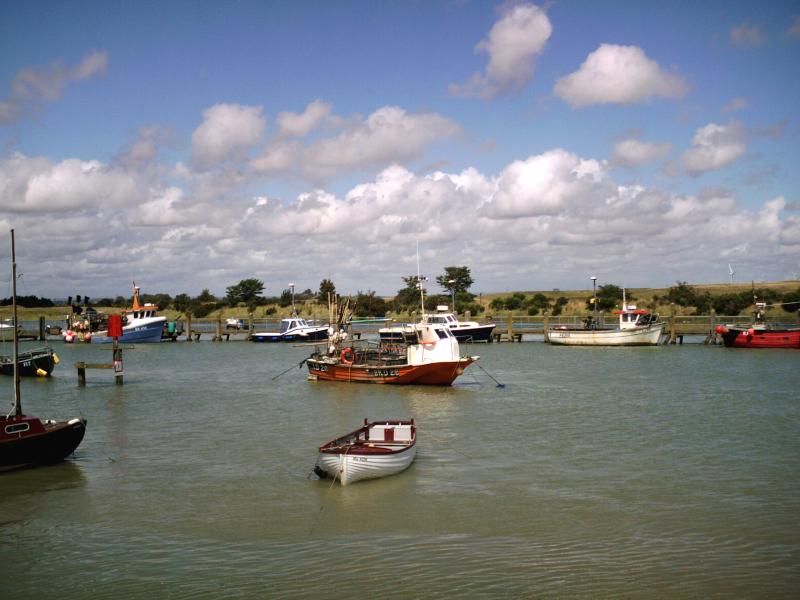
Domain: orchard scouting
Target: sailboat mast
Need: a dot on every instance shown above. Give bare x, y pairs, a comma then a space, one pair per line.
17, 404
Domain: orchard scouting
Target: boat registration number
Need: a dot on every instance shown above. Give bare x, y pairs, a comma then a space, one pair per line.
563, 334
316, 367
384, 372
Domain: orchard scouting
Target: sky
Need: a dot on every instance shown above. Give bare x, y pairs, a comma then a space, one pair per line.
190, 145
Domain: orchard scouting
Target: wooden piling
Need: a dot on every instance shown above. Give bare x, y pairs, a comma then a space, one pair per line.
188, 327
218, 329
510, 328
42, 329
545, 327
672, 332
250, 326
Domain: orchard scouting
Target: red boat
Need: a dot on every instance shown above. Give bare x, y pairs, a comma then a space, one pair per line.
759, 336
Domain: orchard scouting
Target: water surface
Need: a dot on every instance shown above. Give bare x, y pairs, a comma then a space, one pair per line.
630, 472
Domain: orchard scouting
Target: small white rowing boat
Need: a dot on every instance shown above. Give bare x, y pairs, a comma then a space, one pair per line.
375, 450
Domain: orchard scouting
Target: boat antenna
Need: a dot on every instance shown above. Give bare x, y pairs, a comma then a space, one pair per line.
17, 403
420, 279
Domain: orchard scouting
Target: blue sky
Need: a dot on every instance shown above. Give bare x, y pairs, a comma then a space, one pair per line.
193, 144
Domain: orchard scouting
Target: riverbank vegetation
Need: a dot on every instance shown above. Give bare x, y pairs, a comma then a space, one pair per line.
247, 298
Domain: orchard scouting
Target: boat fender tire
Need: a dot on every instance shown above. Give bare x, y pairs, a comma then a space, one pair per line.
347, 356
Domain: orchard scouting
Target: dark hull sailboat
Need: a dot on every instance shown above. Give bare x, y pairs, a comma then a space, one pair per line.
25, 440
34, 363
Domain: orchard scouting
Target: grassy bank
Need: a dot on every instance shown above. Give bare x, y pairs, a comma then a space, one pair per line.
576, 303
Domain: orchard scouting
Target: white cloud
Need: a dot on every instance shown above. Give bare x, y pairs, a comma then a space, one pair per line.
227, 132
632, 152
547, 184
299, 125
34, 86
35, 185
388, 135
541, 222
621, 75
513, 44
714, 146
746, 36
145, 148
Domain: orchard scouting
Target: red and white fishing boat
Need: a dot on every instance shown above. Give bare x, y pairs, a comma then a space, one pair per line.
374, 450
423, 355
760, 334
418, 353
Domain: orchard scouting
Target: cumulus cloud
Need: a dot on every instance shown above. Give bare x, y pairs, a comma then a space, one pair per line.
36, 185
388, 135
543, 221
227, 132
33, 87
547, 184
633, 152
747, 36
299, 125
145, 148
621, 75
513, 44
714, 146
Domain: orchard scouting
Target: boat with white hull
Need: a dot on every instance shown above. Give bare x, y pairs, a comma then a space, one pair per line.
376, 449
637, 327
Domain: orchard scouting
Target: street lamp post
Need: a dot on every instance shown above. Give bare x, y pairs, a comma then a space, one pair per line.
453, 293
291, 287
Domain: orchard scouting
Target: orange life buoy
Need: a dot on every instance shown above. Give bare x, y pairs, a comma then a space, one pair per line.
347, 356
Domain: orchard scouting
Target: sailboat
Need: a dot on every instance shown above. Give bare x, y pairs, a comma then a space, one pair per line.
25, 440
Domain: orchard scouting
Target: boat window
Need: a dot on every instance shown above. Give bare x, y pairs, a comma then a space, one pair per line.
17, 428
442, 333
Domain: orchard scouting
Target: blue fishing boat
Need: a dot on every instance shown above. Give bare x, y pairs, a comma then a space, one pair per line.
140, 324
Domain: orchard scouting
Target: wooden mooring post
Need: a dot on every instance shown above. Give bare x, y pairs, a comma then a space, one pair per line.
116, 365
42, 329
188, 327
218, 330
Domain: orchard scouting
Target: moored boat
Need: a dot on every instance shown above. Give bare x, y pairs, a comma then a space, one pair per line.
141, 324
376, 449
760, 334
38, 362
463, 331
25, 440
636, 327
293, 329
422, 355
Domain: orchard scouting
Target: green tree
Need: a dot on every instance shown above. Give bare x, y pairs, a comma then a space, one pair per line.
326, 287
247, 292
370, 305
558, 307
460, 277
791, 301
181, 302
607, 297
408, 297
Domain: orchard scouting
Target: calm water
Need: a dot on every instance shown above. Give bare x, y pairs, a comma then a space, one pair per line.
640, 472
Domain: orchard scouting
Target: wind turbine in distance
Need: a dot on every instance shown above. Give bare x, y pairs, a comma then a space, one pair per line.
730, 271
